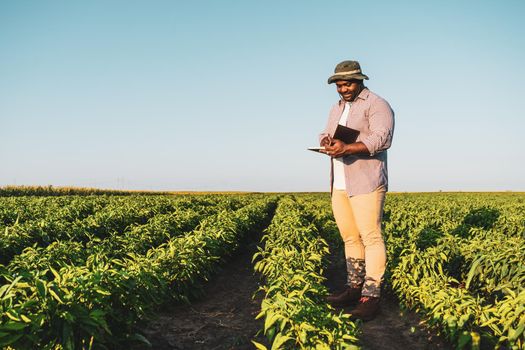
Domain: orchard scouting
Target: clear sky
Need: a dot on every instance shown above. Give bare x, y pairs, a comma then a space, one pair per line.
227, 95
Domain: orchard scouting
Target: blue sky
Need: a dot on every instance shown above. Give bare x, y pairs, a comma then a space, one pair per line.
227, 95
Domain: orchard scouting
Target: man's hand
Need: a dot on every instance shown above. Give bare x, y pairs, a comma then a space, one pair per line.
336, 148
326, 141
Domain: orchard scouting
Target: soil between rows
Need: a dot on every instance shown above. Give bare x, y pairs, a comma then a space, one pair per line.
224, 318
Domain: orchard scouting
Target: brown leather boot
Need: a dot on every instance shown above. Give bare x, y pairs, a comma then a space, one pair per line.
366, 310
346, 297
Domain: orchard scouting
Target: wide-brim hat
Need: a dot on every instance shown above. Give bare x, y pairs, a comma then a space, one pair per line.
347, 70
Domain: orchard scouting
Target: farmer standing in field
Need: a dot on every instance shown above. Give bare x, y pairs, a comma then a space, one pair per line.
359, 182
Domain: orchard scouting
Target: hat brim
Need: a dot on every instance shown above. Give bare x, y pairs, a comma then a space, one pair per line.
357, 76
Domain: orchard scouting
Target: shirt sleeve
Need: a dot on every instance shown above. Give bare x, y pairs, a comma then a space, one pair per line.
381, 123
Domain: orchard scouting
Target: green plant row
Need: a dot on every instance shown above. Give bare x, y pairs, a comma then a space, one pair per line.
318, 209
458, 260
492, 264
137, 239
95, 305
294, 309
468, 319
20, 210
456, 212
115, 217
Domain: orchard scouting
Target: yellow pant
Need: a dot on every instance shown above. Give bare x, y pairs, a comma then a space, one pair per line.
359, 221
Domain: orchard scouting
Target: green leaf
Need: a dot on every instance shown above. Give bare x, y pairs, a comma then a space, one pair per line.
56, 274
41, 288
103, 292
13, 326
472, 272
515, 333
141, 339
67, 337
270, 334
10, 339
464, 339
260, 314
8, 289
279, 341
12, 315
271, 318
3, 290
259, 346
55, 295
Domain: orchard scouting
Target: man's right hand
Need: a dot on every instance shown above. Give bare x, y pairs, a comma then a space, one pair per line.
326, 141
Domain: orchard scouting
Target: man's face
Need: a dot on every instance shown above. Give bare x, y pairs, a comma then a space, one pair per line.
348, 89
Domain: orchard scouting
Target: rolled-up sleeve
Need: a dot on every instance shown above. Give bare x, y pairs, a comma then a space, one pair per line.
381, 123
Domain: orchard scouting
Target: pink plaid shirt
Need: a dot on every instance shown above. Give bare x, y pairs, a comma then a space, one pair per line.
374, 118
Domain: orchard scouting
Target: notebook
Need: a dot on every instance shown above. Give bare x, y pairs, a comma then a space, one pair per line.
345, 134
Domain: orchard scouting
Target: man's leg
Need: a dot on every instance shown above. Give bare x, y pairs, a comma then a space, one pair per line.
354, 249
368, 212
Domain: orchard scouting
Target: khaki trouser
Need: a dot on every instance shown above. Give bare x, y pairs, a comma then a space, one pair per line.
359, 221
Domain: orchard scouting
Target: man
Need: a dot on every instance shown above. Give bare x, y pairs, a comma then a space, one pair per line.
359, 182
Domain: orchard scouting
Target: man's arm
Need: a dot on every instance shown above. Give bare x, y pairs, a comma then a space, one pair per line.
339, 148
381, 124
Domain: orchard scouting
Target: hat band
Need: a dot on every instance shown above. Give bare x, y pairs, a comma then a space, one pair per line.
348, 72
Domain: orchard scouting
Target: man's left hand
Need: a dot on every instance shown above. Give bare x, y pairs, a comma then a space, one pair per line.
336, 149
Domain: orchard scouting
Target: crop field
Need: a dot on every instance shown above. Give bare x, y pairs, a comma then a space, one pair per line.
96, 271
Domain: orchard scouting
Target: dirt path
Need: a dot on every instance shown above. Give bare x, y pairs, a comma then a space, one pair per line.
223, 319
392, 329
